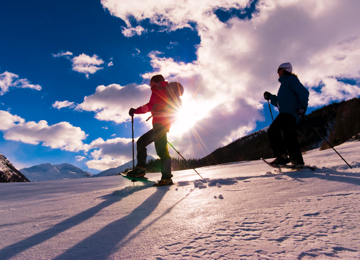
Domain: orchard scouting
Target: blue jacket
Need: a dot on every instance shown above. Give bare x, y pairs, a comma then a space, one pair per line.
291, 95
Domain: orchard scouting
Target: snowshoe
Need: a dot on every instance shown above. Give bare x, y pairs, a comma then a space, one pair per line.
287, 166
135, 179
138, 172
281, 160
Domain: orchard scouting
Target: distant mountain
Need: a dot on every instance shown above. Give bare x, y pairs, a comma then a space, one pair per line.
8, 173
47, 172
115, 171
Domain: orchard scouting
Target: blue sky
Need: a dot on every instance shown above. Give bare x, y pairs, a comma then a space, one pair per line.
70, 71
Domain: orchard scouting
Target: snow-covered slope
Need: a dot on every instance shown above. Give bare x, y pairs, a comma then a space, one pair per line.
8, 173
117, 170
47, 171
240, 211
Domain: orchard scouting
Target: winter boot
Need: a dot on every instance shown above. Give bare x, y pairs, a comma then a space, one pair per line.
164, 182
138, 172
281, 160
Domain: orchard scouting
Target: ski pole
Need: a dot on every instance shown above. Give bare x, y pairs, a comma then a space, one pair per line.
270, 111
316, 132
184, 158
132, 131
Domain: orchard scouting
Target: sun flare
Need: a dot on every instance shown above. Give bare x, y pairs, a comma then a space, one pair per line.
192, 111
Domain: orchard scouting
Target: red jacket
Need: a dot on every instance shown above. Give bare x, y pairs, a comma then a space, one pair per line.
157, 105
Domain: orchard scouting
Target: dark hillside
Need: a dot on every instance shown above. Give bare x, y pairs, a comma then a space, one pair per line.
347, 123
250, 147
322, 120
340, 120
8, 173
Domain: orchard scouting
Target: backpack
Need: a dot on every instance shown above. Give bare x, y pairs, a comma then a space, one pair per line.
174, 90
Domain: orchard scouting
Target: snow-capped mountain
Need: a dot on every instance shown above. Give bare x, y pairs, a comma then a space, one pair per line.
8, 173
47, 172
115, 171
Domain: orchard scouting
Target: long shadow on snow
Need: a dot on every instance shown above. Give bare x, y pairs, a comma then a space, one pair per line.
324, 173
14, 249
103, 243
122, 243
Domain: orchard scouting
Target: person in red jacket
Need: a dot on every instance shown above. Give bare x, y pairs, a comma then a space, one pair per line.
157, 105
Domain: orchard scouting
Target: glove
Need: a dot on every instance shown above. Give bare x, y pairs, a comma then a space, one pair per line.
132, 111
301, 112
267, 95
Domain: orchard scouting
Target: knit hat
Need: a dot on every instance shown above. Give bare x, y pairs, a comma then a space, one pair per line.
286, 66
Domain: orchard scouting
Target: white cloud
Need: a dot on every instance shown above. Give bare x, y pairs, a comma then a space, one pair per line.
62, 104
172, 44
332, 90
62, 54
11, 80
86, 64
170, 14
130, 32
237, 61
110, 64
83, 63
62, 136
137, 52
112, 102
104, 163
110, 148
8, 120
110, 153
80, 158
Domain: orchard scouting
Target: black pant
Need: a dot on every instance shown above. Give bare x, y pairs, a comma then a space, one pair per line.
282, 136
158, 135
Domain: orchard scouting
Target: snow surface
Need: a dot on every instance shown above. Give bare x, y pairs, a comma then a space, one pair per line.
240, 211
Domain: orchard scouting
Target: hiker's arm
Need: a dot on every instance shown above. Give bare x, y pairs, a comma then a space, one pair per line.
147, 107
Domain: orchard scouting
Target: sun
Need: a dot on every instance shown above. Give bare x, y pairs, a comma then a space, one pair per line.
192, 111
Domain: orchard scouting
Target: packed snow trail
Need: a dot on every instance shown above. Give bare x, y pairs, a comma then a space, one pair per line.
241, 210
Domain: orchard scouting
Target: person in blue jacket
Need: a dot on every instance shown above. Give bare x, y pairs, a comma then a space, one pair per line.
292, 102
